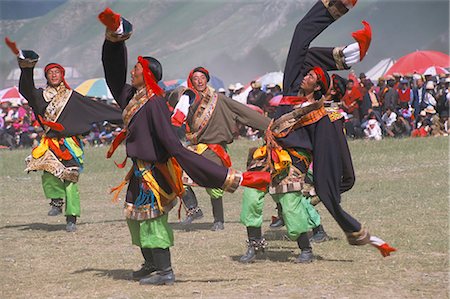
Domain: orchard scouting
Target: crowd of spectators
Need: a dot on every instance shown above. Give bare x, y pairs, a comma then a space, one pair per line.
396, 106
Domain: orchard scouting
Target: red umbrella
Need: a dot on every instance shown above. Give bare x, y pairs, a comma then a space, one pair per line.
11, 95
419, 61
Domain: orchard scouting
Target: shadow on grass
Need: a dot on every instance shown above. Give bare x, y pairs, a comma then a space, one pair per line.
282, 256
50, 227
116, 274
320, 258
196, 226
125, 274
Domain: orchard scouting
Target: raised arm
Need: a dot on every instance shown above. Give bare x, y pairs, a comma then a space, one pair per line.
27, 60
114, 56
318, 18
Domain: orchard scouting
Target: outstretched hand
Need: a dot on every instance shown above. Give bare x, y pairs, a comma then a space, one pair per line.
110, 19
12, 45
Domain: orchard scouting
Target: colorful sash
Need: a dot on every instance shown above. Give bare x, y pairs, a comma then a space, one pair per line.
200, 118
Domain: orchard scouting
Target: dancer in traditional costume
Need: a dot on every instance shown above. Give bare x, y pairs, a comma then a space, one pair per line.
303, 133
64, 115
158, 158
211, 119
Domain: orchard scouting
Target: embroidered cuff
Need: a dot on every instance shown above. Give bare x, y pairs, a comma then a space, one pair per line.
339, 58
358, 238
338, 8
232, 181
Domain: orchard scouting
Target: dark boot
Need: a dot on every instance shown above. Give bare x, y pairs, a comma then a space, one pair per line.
148, 266
278, 221
319, 235
190, 202
56, 206
71, 225
255, 244
217, 208
164, 274
306, 255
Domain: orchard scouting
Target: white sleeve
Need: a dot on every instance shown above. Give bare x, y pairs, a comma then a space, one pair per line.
351, 54
182, 105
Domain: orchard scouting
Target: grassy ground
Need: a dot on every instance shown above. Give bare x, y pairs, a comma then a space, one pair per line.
401, 194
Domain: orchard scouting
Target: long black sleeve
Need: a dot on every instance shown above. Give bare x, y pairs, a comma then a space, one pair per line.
203, 171
114, 59
30, 92
312, 24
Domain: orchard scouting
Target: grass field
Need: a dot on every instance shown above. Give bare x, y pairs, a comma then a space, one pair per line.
401, 194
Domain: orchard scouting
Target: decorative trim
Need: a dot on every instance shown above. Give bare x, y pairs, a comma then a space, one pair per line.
339, 58
114, 37
27, 63
358, 238
57, 99
200, 118
336, 8
50, 163
232, 181
145, 212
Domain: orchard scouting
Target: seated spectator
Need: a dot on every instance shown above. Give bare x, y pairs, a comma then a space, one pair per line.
389, 118
373, 130
400, 127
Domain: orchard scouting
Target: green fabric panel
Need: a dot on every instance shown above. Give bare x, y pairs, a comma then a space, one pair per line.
295, 214
252, 207
314, 216
152, 233
215, 193
72, 199
53, 187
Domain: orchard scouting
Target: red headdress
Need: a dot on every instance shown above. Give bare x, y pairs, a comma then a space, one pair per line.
149, 77
322, 77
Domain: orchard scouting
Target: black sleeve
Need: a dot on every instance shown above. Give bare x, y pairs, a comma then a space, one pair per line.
114, 59
329, 59
313, 23
30, 92
80, 112
203, 171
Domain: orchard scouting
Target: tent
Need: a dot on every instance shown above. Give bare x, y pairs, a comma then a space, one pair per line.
379, 69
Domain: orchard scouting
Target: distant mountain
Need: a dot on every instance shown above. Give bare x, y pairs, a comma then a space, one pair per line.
236, 40
25, 9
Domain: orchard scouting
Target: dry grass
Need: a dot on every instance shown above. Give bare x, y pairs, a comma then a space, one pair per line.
401, 194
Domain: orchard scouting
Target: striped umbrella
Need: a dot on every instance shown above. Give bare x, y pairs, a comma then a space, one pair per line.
96, 87
11, 95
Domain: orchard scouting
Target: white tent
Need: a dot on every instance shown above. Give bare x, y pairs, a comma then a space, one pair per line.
379, 69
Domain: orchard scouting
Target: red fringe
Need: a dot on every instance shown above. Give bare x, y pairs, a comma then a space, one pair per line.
116, 142
52, 125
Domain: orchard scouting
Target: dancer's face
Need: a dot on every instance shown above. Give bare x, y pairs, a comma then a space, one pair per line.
199, 81
54, 77
309, 83
137, 76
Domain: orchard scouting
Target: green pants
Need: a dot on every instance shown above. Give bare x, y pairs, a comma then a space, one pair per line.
298, 213
152, 233
56, 188
215, 193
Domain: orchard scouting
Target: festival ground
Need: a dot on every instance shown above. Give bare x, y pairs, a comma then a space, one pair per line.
401, 194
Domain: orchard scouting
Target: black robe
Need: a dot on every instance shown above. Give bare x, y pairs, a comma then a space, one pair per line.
151, 137
331, 156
